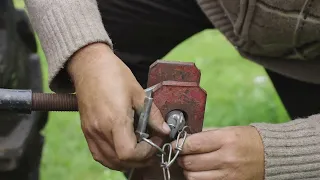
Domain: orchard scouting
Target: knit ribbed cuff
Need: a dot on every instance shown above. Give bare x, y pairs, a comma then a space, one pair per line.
64, 28
292, 150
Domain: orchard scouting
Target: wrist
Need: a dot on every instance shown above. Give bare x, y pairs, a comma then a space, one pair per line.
88, 59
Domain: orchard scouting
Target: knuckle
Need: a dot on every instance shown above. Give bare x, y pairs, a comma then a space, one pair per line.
230, 160
87, 130
91, 127
186, 163
113, 166
230, 139
97, 157
95, 125
125, 155
193, 146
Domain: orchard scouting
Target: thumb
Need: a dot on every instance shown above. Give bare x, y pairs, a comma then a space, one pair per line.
156, 120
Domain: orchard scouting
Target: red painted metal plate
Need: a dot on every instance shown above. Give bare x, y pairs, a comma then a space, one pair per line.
173, 71
177, 88
184, 96
172, 95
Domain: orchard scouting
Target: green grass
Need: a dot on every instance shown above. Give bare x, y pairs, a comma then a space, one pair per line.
239, 93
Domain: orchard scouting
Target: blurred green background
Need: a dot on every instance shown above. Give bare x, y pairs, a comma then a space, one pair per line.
239, 93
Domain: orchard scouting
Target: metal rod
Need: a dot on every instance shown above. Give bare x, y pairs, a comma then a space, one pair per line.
13, 100
144, 116
54, 102
25, 101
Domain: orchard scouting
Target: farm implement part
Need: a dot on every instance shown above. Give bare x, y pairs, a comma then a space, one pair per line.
172, 86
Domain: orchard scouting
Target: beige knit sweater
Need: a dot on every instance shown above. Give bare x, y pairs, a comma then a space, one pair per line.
282, 35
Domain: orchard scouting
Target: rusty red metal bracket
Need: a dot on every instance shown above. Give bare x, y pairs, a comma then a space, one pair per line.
176, 88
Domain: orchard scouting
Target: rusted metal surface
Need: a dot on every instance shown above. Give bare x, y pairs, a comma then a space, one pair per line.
54, 102
25, 101
173, 71
176, 88
187, 97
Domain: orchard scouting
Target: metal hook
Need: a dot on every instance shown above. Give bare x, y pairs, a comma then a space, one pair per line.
165, 168
179, 145
166, 174
163, 162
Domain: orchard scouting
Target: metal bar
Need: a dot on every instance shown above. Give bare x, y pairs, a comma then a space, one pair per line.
54, 102
24, 101
16, 100
144, 116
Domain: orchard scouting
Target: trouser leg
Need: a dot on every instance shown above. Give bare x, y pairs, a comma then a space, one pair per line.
300, 99
145, 30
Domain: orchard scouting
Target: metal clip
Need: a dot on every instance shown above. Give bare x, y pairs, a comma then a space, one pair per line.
179, 145
185, 133
165, 168
165, 164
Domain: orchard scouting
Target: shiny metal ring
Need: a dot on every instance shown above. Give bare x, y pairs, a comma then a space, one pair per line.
154, 145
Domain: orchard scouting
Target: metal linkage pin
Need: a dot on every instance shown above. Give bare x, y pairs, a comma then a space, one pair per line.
176, 122
144, 116
144, 119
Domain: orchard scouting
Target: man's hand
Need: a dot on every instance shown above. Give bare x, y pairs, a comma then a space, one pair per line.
107, 94
233, 153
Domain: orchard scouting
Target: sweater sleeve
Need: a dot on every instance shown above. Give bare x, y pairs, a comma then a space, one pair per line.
292, 150
64, 27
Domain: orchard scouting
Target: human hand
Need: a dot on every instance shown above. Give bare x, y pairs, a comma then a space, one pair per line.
232, 153
107, 94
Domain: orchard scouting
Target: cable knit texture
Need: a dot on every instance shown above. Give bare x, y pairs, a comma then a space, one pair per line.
64, 27
292, 150
280, 35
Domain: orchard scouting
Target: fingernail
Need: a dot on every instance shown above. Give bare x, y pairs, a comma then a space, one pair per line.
166, 128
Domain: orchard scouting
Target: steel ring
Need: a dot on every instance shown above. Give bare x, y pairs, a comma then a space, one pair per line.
154, 145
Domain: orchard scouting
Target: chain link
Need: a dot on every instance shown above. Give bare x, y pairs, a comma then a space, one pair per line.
165, 168
165, 164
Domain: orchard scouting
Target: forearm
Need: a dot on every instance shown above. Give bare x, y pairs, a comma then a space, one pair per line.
64, 27
292, 150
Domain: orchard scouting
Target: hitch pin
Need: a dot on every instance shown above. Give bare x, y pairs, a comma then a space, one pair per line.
144, 116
